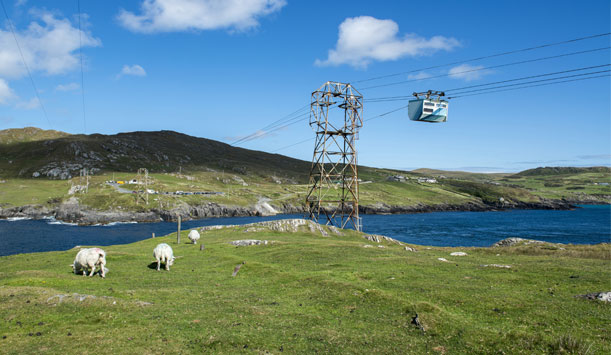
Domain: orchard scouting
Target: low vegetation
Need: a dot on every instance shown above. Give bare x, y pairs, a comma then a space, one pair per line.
39, 167
304, 292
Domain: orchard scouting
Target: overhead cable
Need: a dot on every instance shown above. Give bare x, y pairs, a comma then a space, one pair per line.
487, 68
486, 57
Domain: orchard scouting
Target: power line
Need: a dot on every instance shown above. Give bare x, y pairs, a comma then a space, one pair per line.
80, 49
531, 77
486, 57
530, 86
486, 68
368, 119
42, 106
279, 121
405, 97
262, 133
534, 81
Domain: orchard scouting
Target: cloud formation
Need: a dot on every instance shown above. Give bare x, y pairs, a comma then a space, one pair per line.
185, 15
67, 87
28, 105
134, 70
49, 45
468, 72
365, 39
6, 93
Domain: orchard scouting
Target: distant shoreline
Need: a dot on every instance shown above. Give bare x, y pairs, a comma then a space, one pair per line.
81, 215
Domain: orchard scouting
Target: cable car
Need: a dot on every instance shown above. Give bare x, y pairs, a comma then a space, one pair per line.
428, 109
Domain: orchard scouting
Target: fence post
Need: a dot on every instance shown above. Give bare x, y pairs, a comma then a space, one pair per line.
178, 233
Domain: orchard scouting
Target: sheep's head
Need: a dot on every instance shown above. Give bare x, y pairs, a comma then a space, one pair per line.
102, 258
171, 261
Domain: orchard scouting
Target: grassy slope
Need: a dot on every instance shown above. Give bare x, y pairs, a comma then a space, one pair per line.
216, 166
28, 134
17, 192
307, 293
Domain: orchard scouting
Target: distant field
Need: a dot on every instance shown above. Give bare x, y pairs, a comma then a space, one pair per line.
247, 190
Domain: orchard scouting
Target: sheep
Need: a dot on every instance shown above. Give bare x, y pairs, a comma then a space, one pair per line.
163, 253
89, 258
194, 236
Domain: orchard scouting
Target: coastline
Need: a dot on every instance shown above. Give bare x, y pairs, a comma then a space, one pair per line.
73, 213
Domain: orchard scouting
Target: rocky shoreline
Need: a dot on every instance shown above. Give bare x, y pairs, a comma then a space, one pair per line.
72, 212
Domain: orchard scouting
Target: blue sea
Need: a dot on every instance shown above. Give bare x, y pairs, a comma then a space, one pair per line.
585, 225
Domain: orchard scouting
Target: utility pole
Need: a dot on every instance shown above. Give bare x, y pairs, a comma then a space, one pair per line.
142, 179
333, 194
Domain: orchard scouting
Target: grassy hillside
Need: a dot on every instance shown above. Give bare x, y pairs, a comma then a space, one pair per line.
161, 151
28, 134
41, 171
306, 293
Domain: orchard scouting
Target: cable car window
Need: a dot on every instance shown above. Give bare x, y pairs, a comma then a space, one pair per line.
429, 104
428, 110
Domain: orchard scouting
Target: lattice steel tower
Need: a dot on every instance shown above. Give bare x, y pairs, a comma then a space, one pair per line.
336, 112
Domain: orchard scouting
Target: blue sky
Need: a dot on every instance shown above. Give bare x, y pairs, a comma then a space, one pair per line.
225, 69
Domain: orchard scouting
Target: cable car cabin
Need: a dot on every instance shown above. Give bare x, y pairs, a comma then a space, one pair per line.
428, 110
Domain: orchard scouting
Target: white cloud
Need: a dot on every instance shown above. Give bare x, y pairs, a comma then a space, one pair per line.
28, 105
365, 39
419, 76
6, 93
49, 45
134, 70
20, 3
67, 87
468, 72
184, 15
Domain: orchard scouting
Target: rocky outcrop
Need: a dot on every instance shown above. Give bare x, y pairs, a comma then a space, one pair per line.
544, 204
71, 211
27, 211
510, 242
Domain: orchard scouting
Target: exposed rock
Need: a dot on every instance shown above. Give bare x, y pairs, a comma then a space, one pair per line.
27, 211
409, 249
497, 265
263, 208
443, 259
600, 296
367, 246
509, 242
247, 242
458, 253
379, 238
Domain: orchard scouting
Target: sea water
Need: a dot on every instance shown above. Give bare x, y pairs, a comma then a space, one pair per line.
585, 225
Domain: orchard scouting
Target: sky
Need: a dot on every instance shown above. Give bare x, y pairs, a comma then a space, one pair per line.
224, 70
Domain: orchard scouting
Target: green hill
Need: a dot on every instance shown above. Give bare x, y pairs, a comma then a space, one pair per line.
28, 134
59, 155
557, 170
40, 167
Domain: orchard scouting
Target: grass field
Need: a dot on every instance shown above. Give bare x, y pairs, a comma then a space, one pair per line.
305, 293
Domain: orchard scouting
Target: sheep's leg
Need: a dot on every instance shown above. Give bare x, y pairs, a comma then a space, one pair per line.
92, 271
158, 263
167, 264
102, 272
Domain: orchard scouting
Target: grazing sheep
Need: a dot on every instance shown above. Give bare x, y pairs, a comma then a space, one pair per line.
163, 253
194, 236
88, 259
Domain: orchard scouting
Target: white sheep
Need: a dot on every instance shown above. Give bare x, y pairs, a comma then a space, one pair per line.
164, 253
194, 236
89, 258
